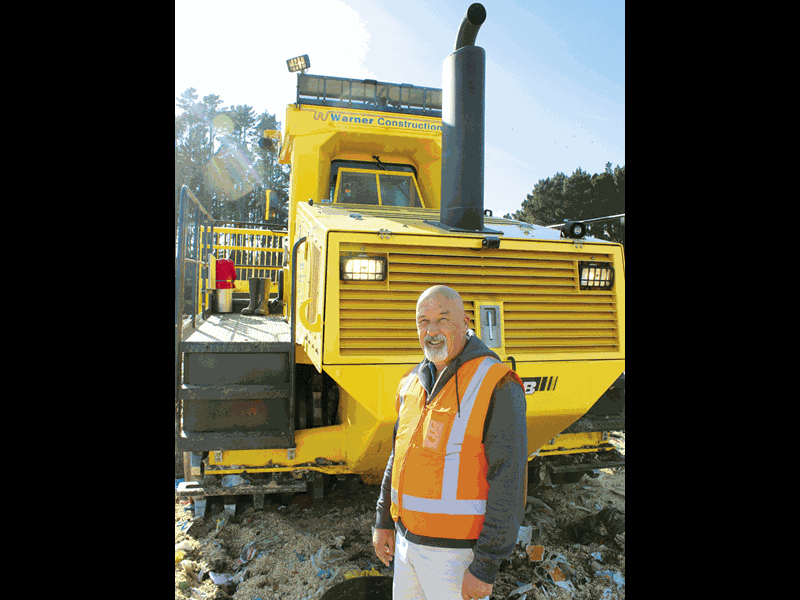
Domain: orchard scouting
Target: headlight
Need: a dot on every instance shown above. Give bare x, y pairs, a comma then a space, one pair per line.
596, 275
363, 268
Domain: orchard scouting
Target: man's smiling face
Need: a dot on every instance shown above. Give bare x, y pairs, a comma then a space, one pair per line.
442, 326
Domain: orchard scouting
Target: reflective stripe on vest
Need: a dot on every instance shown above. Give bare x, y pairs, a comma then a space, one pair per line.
444, 507
452, 458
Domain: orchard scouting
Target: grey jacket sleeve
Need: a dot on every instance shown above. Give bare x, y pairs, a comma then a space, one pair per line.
383, 519
506, 446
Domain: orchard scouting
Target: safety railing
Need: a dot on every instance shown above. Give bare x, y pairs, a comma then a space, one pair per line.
193, 246
254, 252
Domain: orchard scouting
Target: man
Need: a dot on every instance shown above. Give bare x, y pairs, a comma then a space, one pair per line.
453, 485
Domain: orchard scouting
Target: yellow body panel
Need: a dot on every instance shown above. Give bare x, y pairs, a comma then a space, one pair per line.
369, 370
314, 136
367, 413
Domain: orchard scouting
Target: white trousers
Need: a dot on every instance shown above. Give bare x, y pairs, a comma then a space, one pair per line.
427, 573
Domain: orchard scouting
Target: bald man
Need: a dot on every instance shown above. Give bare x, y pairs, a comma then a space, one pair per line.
453, 485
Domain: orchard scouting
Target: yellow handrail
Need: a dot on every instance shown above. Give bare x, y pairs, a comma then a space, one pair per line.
262, 232
225, 247
235, 240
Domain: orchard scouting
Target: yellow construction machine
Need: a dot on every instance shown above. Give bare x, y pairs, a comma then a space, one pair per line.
386, 200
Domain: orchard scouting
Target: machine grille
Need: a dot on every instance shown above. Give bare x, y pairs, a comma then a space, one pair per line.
545, 311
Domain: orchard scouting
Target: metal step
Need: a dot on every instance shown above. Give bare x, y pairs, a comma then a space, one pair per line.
236, 388
198, 493
192, 441
193, 488
235, 332
233, 392
234, 408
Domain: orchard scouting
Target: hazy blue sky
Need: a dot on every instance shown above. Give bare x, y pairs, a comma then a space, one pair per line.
555, 70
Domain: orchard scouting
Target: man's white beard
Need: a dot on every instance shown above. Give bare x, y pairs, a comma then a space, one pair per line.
437, 354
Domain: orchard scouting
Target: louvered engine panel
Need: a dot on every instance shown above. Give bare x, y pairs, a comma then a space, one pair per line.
545, 312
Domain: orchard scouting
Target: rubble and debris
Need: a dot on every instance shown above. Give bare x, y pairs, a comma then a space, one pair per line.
538, 504
522, 590
598, 527
613, 576
233, 480
524, 535
361, 588
563, 583
535, 553
363, 573
267, 554
248, 553
317, 565
227, 578
556, 575
220, 522
190, 568
540, 511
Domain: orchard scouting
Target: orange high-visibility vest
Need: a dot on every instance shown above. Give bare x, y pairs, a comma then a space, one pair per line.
439, 486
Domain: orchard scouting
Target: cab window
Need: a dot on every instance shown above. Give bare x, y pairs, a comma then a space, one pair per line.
398, 190
374, 183
357, 188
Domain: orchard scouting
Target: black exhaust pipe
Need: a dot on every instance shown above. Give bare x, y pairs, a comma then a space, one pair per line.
470, 25
463, 95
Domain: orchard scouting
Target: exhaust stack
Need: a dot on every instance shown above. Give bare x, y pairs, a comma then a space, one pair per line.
463, 94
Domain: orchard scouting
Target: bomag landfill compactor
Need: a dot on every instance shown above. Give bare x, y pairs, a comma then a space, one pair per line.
386, 200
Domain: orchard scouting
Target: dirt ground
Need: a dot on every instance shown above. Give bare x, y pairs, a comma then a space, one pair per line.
301, 548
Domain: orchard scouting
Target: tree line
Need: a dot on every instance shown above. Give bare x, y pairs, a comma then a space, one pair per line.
579, 197
217, 154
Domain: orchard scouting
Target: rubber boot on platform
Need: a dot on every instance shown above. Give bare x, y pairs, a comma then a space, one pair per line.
255, 285
261, 309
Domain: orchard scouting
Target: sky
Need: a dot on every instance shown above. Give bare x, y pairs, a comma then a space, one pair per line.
555, 69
